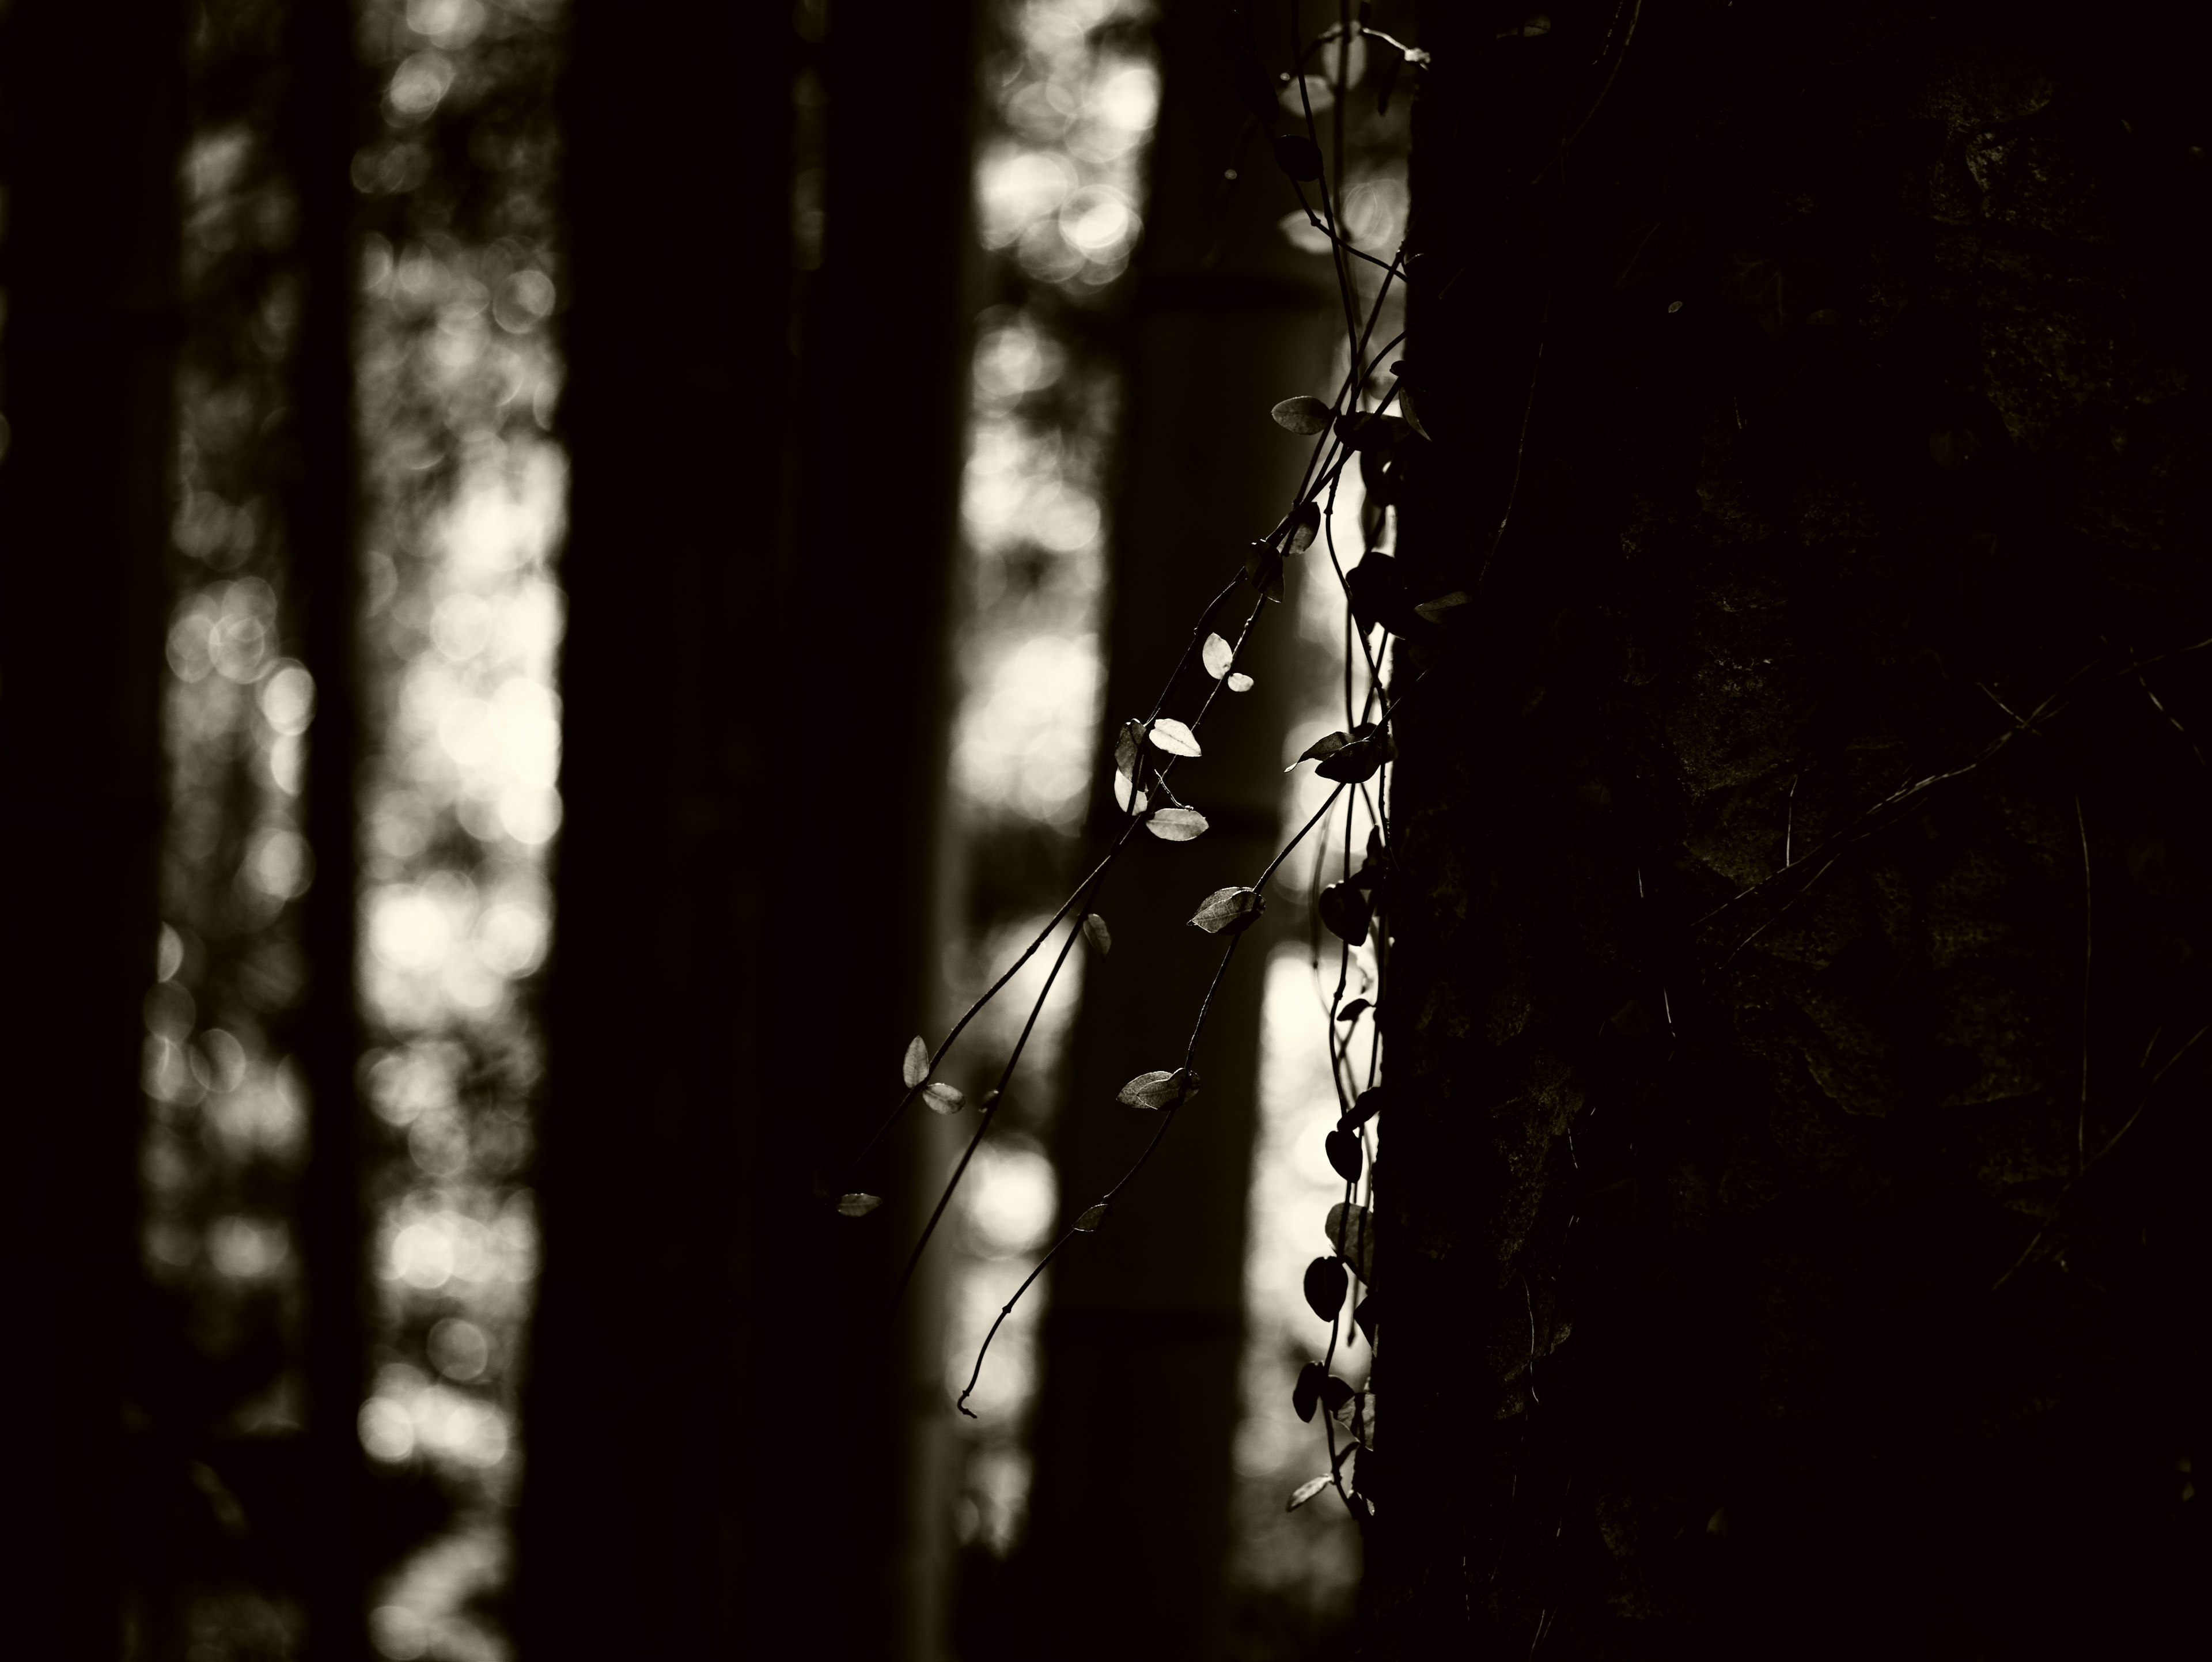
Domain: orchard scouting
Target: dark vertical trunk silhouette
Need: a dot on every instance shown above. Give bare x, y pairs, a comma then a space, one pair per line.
321, 518
1756, 1278
1140, 1347
90, 275
750, 698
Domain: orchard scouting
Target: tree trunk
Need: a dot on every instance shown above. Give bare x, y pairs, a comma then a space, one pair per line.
1141, 1345
1789, 1225
321, 118
752, 705
91, 284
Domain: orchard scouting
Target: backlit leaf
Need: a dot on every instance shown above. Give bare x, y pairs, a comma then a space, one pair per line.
1238, 681
1298, 156
1126, 741
1321, 748
1351, 1012
1302, 414
1093, 1218
1263, 570
1306, 1491
1359, 760
1438, 610
1368, 1104
1305, 526
1326, 1285
1363, 1316
1174, 737
1228, 911
1355, 1412
1346, 1154
1343, 908
1096, 932
943, 1098
1216, 654
1125, 793
1160, 1089
1405, 404
1305, 1395
1177, 824
915, 1067
859, 1206
1352, 1235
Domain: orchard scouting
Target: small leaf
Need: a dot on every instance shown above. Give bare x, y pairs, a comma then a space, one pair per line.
1322, 748
1174, 737
1406, 405
1306, 1491
1363, 1316
1359, 760
1368, 1104
1263, 570
1298, 156
1177, 824
1346, 1154
1124, 793
1361, 430
1126, 742
1216, 654
1334, 1394
943, 1098
1302, 414
1092, 1220
1305, 1395
859, 1206
1351, 1233
1305, 526
1438, 610
915, 1067
1096, 932
1351, 1012
1326, 1284
1238, 681
1228, 911
1356, 1414
1345, 910
1160, 1089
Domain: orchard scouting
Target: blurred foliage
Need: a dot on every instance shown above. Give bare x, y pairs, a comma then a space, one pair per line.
458, 382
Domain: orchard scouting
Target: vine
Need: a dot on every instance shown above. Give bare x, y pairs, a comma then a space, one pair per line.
1371, 419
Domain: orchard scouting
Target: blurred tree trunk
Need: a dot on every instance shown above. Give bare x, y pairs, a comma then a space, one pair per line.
91, 284
762, 506
1141, 1342
321, 108
1866, 429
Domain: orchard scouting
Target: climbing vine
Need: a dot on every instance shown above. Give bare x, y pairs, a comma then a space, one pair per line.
1370, 423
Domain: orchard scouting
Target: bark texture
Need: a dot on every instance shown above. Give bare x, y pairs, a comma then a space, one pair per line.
1866, 447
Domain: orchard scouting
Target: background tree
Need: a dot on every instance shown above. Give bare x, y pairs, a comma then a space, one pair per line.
91, 284
1146, 1321
750, 722
1790, 1229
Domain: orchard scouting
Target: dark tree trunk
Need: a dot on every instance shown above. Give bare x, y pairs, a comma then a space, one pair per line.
1866, 452
320, 118
91, 284
751, 690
